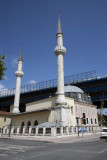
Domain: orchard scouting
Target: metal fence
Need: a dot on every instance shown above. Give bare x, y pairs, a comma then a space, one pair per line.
77, 78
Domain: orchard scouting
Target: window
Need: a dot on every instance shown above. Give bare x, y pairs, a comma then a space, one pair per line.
93, 111
77, 120
81, 108
95, 121
91, 121
22, 125
29, 123
36, 123
85, 109
90, 111
76, 108
4, 119
87, 120
71, 109
79, 96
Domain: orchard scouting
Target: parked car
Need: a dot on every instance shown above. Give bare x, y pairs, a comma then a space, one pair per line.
104, 133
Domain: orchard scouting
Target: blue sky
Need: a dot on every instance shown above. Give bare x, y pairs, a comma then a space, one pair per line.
34, 23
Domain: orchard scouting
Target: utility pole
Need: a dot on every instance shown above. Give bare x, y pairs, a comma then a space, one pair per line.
101, 109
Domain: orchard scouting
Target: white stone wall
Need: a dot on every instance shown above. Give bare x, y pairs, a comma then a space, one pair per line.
42, 104
70, 103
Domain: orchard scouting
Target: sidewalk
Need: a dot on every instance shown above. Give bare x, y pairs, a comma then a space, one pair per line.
73, 139
59, 139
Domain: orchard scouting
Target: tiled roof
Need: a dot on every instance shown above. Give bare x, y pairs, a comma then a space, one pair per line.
5, 113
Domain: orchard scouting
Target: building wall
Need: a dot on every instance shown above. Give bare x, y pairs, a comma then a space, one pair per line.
54, 113
70, 103
42, 104
32, 117
4, 121
89, 110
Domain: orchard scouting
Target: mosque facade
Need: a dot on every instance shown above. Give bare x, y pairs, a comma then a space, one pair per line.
78, 102
66, 109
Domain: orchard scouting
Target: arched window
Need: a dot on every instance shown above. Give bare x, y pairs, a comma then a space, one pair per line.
29, 123
95, 121
91, 121
22, 125
35, 123
71, 109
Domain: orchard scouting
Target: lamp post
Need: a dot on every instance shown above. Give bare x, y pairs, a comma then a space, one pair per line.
101, 109
10, 126
78, 125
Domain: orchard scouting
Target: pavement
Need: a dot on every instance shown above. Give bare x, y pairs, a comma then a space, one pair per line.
88, 147
59, 139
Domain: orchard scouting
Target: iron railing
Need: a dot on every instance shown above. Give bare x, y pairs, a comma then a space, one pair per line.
81, 77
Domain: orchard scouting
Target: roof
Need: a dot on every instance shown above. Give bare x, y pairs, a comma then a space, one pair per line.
59, 29
29, 112
5, 113
73, 89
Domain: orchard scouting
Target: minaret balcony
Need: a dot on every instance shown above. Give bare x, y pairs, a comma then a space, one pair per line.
60, 50
19, 73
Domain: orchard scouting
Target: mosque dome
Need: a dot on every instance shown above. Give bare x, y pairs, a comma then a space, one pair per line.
77, 93
73, 89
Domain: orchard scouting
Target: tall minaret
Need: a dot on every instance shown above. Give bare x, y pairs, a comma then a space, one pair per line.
19, 74
60, 51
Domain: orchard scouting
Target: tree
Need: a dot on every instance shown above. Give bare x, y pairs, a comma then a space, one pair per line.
104, 119
2, 67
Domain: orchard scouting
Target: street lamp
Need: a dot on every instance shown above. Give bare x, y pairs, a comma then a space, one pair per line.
10, 126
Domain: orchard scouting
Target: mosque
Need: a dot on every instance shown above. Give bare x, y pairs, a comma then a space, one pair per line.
66, 109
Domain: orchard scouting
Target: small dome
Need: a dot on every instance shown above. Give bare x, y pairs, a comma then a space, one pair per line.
73, 89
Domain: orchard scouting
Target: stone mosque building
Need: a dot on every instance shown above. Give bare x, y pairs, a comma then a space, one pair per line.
64, 110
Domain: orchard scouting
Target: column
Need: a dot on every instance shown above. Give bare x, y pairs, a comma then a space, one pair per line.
30, 130
53, 131
66, 129
36, 131
24, 129
44, 130
12, 130
61, 130
18, 130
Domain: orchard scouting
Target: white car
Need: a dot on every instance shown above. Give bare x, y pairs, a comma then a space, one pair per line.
104, 133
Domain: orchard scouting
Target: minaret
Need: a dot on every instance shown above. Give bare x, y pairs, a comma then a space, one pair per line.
19, 74
60, 51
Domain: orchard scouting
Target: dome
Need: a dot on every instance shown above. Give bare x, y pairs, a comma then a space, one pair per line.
73, 89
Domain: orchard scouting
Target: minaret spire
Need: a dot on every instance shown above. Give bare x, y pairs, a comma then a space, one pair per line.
59, 29
21, 57
19, 74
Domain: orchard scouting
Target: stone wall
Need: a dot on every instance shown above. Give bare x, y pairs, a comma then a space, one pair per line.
53, 131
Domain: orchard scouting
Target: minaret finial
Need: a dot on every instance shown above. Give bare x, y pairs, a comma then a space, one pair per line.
59, 13
21, 57
59, 29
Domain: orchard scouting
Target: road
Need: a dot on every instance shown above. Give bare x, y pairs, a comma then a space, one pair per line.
13, 149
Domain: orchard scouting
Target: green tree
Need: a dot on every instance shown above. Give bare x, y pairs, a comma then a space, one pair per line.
2, 67
104, 119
